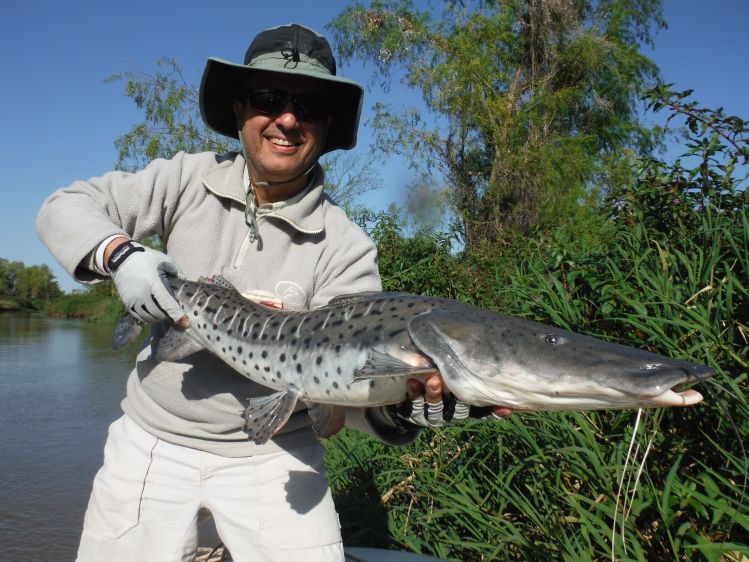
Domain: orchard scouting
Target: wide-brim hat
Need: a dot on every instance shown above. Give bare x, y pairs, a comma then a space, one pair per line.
291, 49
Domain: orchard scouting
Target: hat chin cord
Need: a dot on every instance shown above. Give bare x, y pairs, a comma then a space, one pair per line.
268, 183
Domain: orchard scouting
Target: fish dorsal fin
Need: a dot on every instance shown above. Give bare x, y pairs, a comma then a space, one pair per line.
358, 297
380, 364
219, 281
352, 298
266, 415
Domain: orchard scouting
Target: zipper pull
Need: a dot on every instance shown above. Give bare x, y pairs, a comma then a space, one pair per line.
251, 220
250, 212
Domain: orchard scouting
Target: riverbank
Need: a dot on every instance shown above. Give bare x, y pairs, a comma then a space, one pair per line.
88, 306
8, 305
98, 302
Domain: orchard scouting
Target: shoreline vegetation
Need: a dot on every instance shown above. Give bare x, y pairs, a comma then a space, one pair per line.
98, 303
9, 305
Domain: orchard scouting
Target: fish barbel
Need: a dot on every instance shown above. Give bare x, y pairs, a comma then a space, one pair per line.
360, 350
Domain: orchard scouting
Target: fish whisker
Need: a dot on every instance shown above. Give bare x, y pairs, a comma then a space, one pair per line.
621, 486
641, 467
625, 494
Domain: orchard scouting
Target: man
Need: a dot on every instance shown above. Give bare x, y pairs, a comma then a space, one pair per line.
261, 220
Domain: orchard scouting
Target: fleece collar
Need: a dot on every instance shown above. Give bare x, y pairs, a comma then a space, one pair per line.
303, 211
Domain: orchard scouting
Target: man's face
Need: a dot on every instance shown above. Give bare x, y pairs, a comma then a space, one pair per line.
280, 147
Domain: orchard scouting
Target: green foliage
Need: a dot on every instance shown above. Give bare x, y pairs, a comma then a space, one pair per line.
172, 120
422, 263
96, 303
35, 288
27, 286
708, 178
533, 100
664, 267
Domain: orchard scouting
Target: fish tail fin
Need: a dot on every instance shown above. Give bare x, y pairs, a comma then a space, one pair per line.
126, 332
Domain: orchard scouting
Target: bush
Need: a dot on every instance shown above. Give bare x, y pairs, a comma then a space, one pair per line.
97, 303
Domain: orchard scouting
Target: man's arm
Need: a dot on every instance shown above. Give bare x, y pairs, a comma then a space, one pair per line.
88, 227
75, 220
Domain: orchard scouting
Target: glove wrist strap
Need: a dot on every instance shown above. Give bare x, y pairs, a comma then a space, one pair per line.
399, 418
122, 252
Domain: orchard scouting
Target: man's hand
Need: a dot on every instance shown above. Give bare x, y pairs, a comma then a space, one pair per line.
428, 407
140, 276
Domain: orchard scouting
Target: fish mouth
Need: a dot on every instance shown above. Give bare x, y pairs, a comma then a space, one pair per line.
617, 400
687, 397
668, 388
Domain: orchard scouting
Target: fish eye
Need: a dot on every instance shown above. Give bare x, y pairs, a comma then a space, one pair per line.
552, 339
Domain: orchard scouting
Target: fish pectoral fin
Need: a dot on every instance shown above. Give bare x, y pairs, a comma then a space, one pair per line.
383, 365
267, 414
176, 344
327, 419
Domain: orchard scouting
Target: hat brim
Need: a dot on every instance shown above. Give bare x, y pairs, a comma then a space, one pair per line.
222, 81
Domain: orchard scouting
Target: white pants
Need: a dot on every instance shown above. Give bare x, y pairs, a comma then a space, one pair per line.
146, 498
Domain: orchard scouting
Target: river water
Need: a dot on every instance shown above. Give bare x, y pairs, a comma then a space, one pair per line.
60, 388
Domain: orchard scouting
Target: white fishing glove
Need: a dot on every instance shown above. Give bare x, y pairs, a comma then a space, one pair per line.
411, 415
140, 276
421, 413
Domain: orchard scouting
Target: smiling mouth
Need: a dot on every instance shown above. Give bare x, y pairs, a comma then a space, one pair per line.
281, 142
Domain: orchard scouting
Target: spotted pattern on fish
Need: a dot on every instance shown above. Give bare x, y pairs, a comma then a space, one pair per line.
360, 350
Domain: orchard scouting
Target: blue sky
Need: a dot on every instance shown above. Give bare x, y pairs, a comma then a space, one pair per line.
60, 117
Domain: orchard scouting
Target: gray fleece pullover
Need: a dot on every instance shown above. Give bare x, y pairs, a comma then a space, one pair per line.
306, 253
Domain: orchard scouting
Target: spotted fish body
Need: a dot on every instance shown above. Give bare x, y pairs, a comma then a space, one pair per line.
354, 352
361, 350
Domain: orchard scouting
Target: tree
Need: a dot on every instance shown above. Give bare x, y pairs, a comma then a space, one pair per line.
30, 286
532, 100
5, 281
710, 177
172, 119
172, 123
10, 272
348, 176
36, 284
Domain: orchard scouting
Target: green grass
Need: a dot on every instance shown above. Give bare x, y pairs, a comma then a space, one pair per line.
544, 486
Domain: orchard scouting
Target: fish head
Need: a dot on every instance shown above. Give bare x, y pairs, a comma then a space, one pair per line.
487, 358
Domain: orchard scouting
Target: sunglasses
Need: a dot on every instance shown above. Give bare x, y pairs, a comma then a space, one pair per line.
307, 107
